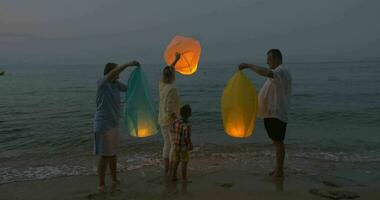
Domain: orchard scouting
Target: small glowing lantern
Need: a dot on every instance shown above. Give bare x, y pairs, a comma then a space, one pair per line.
145, 127
239, 106
190, 50
139, 114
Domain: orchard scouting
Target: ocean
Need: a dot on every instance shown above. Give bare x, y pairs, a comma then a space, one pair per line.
47, 111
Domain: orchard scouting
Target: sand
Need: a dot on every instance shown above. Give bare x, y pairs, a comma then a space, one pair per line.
234, 180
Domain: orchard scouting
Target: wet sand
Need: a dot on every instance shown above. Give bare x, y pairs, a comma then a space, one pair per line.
229, 180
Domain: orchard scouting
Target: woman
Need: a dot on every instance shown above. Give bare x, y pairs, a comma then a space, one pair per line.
168, 108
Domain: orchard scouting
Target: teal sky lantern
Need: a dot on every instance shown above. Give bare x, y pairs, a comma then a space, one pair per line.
139, 114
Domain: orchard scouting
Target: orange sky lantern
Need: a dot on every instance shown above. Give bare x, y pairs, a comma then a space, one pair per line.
190, 50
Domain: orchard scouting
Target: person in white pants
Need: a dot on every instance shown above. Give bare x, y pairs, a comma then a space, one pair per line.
168, 109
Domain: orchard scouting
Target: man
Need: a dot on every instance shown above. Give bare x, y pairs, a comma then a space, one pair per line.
274, 102
106, 122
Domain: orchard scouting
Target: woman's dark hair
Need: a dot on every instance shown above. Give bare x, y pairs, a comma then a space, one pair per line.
276, 53
185, 111
109, 67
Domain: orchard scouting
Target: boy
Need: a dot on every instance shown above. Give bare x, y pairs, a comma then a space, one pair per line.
182, 144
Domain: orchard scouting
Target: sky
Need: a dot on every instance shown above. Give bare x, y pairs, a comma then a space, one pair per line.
230, 31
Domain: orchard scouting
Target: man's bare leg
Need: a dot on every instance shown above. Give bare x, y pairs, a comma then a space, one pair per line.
280, 157
166, 166
184, 171
174, 170
113, 168
102, 168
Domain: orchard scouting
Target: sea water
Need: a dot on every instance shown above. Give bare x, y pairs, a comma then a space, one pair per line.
47, 111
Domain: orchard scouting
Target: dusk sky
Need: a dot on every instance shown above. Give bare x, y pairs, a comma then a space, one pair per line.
93, 31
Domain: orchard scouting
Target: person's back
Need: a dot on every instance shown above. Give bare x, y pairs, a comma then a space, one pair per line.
182, 144
169, 102
181, 135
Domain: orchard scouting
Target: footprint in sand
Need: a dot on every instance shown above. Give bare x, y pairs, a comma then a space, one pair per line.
91, 196
226, 185
331, 184
334, 194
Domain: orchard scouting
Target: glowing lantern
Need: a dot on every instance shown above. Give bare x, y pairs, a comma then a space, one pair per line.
239, 106
190, 50
139, 115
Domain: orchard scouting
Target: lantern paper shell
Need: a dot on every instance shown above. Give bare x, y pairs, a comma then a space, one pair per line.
140, 118
239, 106
190, 50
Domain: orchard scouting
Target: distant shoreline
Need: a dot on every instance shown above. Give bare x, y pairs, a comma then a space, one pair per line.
207, 63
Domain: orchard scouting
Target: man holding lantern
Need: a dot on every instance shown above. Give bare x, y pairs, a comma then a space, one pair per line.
106, 122
274, 103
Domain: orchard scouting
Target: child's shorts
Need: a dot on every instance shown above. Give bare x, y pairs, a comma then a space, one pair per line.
180, 156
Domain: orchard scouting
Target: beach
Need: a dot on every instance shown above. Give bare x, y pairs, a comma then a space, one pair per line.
46, 130
272, 99
215, 177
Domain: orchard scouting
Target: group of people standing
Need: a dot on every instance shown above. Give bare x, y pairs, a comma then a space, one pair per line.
274, 101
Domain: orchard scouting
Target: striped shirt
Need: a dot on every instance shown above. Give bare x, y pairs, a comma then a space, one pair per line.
182, 135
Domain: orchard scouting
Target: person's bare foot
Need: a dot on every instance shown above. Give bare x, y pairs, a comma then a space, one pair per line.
277, 174
102, 188
186, 181
115, 183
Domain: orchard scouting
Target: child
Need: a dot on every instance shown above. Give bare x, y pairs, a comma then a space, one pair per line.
182, 144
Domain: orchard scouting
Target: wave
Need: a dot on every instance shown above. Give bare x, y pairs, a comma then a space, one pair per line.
16, 174
14, 130
258, 154
9, 175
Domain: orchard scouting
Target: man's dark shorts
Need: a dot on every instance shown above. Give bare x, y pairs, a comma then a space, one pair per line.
275, 128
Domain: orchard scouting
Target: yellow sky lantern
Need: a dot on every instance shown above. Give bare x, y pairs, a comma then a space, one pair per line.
239, 106
190, 50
